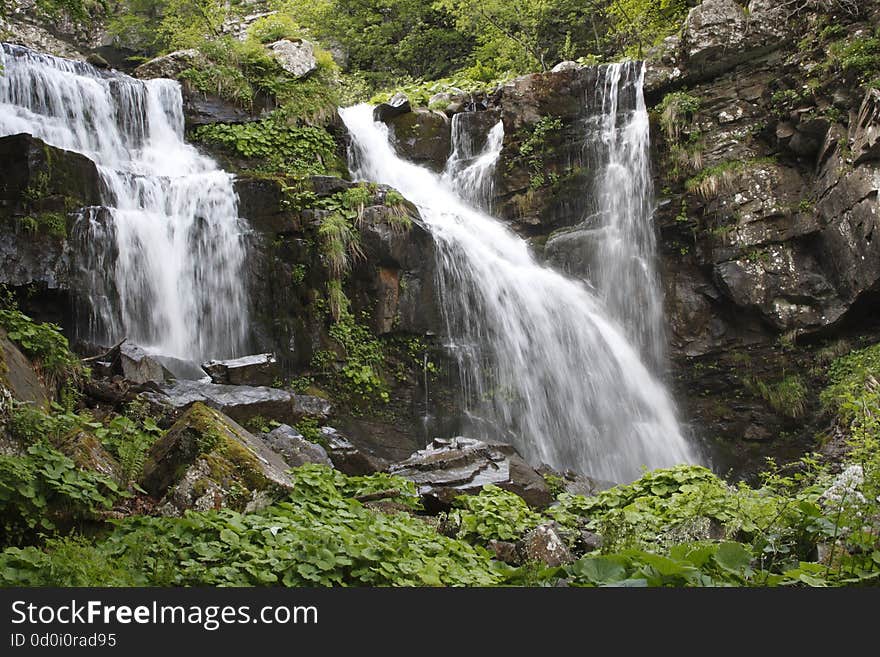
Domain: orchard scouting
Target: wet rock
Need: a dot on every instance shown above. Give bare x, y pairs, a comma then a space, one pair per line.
97, 61
208, 461
544, 544
347, 458
866, 136
399, 104
459, 466
17, 375
574, 483
170, 65
295, 57
564, 66
422, 136
138, 366
293, 448
255, 370
66, 180
242, 403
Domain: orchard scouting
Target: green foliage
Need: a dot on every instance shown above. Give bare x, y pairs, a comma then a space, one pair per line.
392, 35
44, 488
363, 359
676, 110
859, 56
340, 243
129, 441
310, 429
535, 147
787, 396
639, 24
492, 514
851, 377
41, 341
293, 150
320, 537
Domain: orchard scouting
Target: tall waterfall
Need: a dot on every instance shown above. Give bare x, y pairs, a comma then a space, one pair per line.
625, 273
162, 262
546, 367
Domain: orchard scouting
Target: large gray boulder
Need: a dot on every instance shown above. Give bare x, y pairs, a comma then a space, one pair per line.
295, 57
208, 461
448, 468
293, 448
138, 366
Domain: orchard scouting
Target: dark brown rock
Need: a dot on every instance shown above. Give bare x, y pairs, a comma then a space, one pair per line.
544, 544
422, 136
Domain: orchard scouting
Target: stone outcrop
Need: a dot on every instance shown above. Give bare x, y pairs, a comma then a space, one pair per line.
295, 57
242, 403
207, 461
461, 466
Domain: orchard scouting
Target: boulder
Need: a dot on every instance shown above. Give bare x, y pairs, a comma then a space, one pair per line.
17, 375
544, 544
170, 65
138, 366
399, 104
720, 34
256, 370
448, 468
208, 461
293, 448
422, 136
88, 453
347, 458
564, 66
242, 403
295, 57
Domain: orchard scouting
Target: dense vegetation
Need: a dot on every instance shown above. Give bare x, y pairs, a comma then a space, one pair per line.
811, 524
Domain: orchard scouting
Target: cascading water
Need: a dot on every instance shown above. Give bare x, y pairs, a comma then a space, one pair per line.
625, 274
545, 368
162, 263
471, 166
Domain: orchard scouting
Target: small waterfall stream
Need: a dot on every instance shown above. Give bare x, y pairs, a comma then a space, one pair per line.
545, 365
162, 261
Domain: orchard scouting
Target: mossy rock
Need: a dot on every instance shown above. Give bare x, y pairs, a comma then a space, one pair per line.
207, 460
17, 374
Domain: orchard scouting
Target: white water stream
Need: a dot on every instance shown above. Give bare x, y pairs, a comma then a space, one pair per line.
162, 263
545, 366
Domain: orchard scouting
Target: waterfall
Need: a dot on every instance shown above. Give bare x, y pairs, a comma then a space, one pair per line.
471, 166
162, 261
546, 367
625, 273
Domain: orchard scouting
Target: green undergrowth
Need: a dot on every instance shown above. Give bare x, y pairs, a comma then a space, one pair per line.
276, 145
811, 523
47, 348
